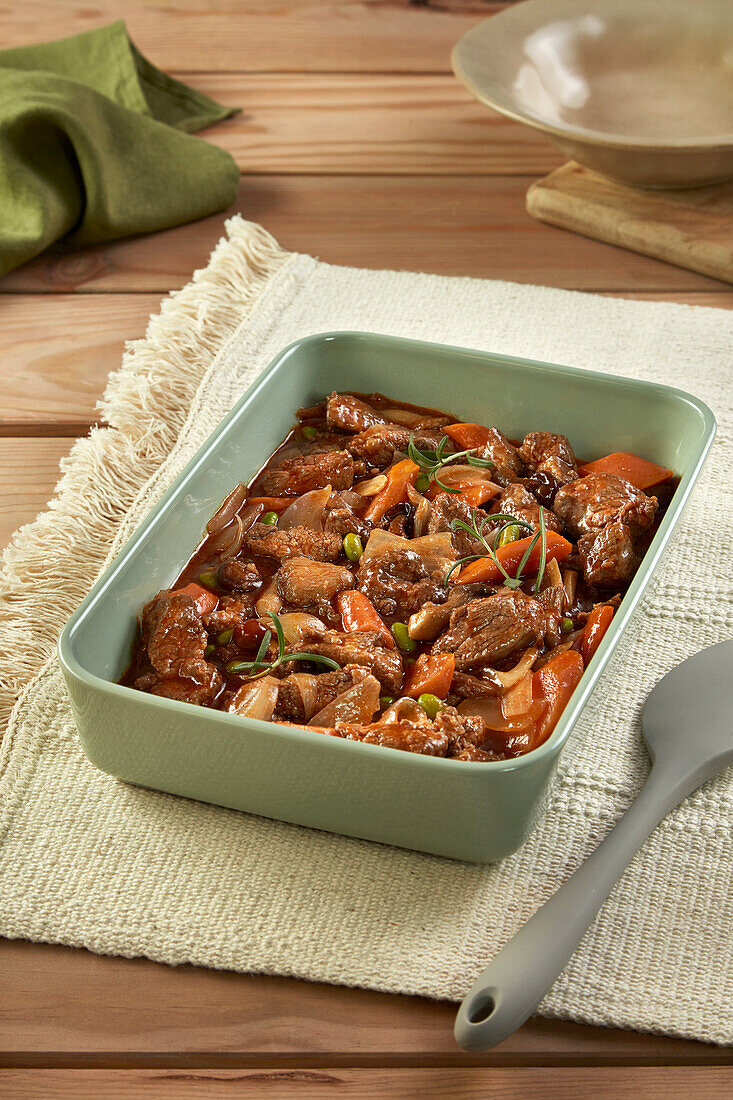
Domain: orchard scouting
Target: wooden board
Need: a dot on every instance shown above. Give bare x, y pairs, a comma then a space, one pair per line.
691, 228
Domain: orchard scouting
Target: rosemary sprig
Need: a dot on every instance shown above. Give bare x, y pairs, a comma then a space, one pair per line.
432, 462
476, 529
253, 670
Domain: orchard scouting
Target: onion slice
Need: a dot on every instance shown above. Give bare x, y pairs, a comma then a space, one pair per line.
422, 507
227, 510
490, 710
306, 510
518, 699
269, 600
358, 703
436, 551
299, 625
514, 675
256, 700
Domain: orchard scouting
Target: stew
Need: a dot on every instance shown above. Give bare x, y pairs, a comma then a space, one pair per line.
399, 578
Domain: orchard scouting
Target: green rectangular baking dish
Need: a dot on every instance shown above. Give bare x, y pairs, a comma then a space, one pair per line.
471, 811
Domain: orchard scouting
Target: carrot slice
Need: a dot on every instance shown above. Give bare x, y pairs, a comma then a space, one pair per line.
399, 476
476, 495
639, 471
510, 555
556, 681
430, 673
359, 613
468, 436
205, 601
595, 627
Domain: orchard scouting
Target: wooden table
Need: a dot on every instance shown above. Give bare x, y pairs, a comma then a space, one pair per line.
357, 145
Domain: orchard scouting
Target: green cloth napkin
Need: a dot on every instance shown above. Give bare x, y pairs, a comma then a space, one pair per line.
95, 143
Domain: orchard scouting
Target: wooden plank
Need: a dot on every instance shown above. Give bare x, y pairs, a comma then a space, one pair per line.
28, 473
456, 1084
368, 123
64, 1006
59, 350
57, 353
258, 36
451, 225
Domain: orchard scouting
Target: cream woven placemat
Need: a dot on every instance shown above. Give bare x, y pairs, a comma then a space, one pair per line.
89, 861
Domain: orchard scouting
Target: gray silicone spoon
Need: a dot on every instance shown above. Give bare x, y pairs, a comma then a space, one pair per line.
688, 731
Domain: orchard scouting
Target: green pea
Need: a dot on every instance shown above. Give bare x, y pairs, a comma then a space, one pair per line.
225, 637
402, 637
509, 534
431, 704
271, 518
423, 483
567, 625
386, 701
309, 431
208, 577
210, 651
353, 546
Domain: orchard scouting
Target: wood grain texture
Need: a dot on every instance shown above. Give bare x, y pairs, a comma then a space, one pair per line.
450, 225
63, 1006
260, 36
355, 123
691, 228
451, 1084
29, 470
55, 360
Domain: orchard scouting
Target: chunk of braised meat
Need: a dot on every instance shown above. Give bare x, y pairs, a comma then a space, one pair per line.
551, 453
608, 556
231, 612
515, 500
591, 502
363, 648
432, 618
271, 542
489, 629
302, 582
378, 444
468, 686
174, 639
466, 734
341, 520
504, 455
351, 413
239, 576
398, 583
303, 694
295, 476
424, 740
444, 510
172, 632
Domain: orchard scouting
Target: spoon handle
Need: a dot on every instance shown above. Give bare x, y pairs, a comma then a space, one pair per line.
514, 983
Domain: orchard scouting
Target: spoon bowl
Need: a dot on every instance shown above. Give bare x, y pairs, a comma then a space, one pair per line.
688, 730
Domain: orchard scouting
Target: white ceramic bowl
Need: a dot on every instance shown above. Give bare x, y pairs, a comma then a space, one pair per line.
638, 90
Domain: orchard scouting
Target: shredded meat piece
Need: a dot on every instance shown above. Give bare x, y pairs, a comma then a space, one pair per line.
202, 689
305, 583
424, 740
432, 618
295, 542
403, 727
498, 449
464, 731
231, 612
550, 453
397, 582
295, 476
489, 629
608, 555
360, 648
591, 502
517, 501
447, 507
239, 576
340, 520
351, 413
378, 444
